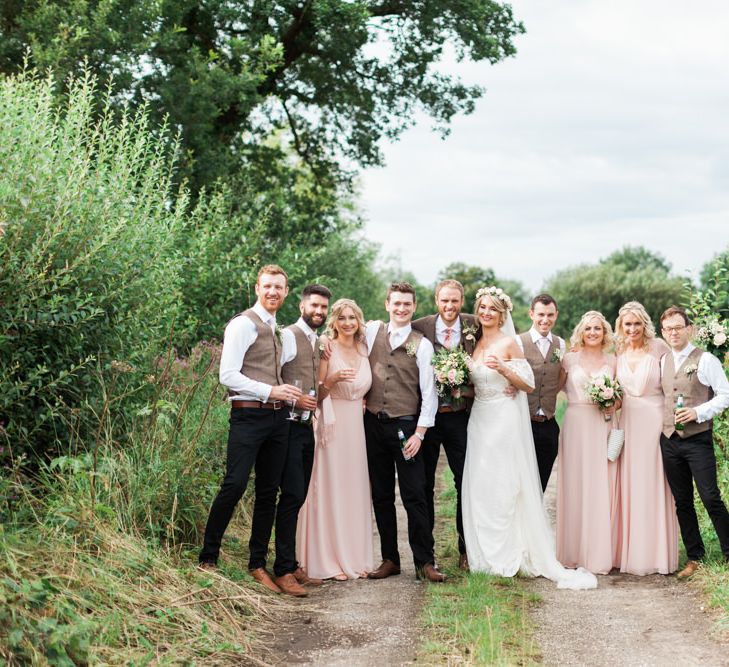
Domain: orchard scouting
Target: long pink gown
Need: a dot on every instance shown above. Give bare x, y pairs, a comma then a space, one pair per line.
335, 532
649, 528
587, 483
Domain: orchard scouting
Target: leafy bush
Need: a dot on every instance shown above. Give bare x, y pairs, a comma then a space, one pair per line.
87, 250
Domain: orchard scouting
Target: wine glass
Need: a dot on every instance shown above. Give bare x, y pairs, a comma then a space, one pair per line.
293, 417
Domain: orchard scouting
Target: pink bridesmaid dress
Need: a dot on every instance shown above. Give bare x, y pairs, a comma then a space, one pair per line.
649, 528
587, 483
335, 532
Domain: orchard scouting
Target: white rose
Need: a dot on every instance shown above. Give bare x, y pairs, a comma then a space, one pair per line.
720, 339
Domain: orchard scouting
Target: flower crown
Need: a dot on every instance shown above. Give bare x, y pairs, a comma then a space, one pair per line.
496, 293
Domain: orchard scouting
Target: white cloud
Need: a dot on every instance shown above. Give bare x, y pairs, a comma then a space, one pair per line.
609, 128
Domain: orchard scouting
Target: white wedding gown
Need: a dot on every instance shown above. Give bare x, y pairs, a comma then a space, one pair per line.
505, 525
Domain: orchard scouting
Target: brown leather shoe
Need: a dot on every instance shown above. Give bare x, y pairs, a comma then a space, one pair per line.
463, 562
264, 578
689, 569
386, 569
288, 584
304, 579
431, 573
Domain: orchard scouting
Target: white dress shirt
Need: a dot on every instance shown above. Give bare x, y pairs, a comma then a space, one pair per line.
709, 373
240, 334
423, 359
288, 340
440, 331
537, 337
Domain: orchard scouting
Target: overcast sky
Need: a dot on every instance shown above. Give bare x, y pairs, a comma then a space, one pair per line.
610, 127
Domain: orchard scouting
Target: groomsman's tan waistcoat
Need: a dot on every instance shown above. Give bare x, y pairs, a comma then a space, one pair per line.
261, 360
305, 365
677, 381
546, 375
395, 376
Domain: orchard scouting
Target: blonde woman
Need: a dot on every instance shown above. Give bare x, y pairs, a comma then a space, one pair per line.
335, 523
649, 530
504, 522
587, 488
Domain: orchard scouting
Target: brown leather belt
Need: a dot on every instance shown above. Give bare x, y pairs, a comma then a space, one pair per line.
539, 418
274, 405
450, 408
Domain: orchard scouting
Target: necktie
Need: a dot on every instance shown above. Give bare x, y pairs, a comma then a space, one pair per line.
448, 338
312, 340
544, 346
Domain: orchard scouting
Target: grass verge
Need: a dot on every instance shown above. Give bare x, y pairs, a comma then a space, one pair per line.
473, 619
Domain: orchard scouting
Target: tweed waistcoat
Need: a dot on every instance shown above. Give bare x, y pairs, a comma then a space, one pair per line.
546, 375
305, 365
395, 376
262, 359
676, 381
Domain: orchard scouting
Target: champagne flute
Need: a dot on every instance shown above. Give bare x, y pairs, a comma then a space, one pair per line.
293, 417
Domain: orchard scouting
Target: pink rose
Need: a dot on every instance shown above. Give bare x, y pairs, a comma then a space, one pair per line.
452, 375
607, 393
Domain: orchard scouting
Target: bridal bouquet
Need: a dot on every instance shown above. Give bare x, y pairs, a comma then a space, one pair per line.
603, 391
451, 373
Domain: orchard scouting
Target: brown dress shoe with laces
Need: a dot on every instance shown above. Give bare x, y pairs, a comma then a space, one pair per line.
288, 584
463, 563
386, 569
430, 572
689, 569
304, 579
264, 578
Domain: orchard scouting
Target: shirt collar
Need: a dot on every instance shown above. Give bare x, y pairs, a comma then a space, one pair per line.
537, 336
259, 310
440, 325
305, 328
683, 353
399, 331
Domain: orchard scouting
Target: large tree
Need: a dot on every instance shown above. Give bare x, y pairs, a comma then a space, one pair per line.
337, 75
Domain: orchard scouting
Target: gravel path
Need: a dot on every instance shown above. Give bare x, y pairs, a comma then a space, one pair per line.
627, 621
356, 623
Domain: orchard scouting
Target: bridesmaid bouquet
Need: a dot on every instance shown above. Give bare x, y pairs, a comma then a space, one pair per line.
604, 391
451, 373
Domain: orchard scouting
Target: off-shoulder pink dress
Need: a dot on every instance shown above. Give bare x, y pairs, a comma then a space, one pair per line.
335, 532
587, 483
649, 528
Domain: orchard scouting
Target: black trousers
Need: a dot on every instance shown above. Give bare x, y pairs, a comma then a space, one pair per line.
383, 458
546, 444
294, 486
256, 437
450, 430
691, 460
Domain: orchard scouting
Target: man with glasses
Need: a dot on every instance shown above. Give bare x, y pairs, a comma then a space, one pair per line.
686, 442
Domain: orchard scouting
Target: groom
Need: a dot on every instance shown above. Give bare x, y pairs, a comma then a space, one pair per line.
686, 442
401, 400
450, 329
544, 352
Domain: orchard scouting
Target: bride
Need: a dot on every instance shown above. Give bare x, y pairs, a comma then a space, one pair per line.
506, 528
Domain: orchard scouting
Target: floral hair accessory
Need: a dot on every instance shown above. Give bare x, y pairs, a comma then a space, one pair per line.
496, 293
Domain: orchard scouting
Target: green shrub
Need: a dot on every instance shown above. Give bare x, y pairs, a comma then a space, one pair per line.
88, 253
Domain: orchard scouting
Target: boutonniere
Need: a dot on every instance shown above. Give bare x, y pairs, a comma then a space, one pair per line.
411, 348
469, 332
690, 369
278, 332
557, 355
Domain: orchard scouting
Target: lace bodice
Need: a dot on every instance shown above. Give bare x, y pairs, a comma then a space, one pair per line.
489, 384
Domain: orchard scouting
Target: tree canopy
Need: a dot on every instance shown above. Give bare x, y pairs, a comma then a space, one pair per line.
337, 75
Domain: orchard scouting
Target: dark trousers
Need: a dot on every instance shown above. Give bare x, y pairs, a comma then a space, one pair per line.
450, 430
546, 444
256, 437
294, 486
383, 458
691, 460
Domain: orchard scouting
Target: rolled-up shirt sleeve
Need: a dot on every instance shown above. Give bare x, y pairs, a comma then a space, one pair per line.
711, 374
240, 334
428, 393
